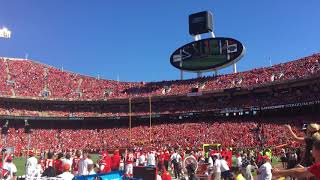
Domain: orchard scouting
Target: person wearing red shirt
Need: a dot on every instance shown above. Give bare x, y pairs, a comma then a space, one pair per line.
105, 163
115, 161
75, 163
58, 164
166, 159
129, 164
302, 172
49, 161
165, 175
161, 160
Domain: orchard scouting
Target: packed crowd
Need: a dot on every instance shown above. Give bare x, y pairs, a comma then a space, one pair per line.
215, 161
26, 78
240, 134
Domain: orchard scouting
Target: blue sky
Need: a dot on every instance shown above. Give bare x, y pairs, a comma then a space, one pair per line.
133, 40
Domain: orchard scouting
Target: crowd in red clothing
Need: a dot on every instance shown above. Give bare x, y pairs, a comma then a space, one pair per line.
239, 135
26, 78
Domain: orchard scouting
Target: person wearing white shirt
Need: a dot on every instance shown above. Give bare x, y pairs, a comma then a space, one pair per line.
216, 168
31, 165
66, 175
239, 161
175, 160
264, 172
225, 170
83, 165
142, 160
151, 159
9, 166
67, 160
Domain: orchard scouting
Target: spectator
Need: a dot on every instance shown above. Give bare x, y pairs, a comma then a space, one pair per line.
264, 171
176, 160
115, 161
304, 172
66, 173
31, 165
10, 167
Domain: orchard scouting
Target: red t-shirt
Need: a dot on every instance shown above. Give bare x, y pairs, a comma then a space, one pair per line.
58, 166
315, 170
130, 158
115, 161
75, 163
166, 156
107, 164
161, 158
166, 176
48, 163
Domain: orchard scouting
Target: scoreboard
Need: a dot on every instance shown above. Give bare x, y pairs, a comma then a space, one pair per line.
207, 54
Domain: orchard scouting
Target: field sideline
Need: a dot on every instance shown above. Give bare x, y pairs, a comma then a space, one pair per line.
20, 163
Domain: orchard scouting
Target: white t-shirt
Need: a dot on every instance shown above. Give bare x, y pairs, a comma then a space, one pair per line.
31, 166
265, 172
217, 166
66, 176
176, 156
151, 159
142, 159
67, 161
239, 161
11, 168
159, 177
210, 161
83, 167
224, 165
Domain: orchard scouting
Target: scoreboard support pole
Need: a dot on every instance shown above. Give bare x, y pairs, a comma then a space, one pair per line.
181, 74
234, 67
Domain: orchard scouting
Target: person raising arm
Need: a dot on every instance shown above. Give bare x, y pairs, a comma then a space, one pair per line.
304, 172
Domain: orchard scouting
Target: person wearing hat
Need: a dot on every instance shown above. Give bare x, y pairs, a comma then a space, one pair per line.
265, 171
105, 163
66, 175
307, 140
10, 167
304, 172
31, 164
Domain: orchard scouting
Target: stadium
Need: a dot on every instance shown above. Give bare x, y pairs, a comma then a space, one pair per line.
47, 110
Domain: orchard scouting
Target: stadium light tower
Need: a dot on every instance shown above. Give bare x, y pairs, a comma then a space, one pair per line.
5, 33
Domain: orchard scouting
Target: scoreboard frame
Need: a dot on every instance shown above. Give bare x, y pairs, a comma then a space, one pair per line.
207, 54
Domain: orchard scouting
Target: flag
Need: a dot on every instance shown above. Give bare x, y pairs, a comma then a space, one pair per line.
5, 33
